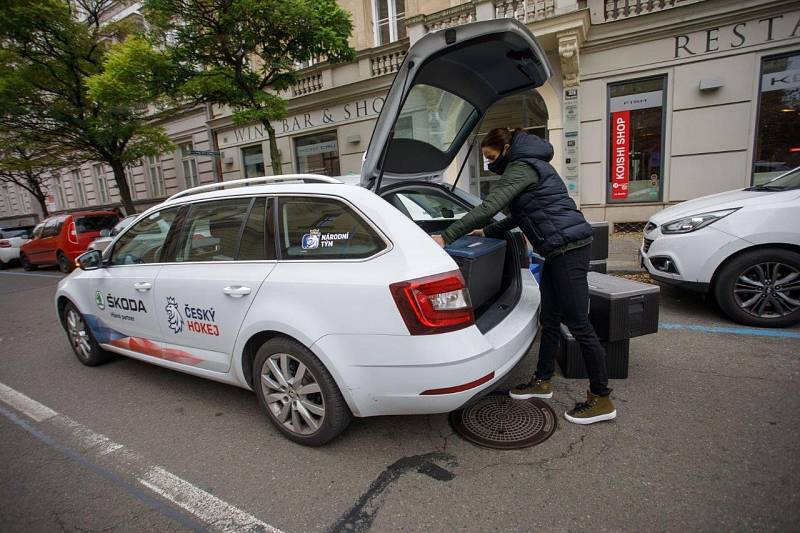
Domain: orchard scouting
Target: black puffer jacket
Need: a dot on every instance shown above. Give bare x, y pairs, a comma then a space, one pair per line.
546, 214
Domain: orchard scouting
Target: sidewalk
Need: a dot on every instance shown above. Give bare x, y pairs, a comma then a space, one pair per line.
623, 252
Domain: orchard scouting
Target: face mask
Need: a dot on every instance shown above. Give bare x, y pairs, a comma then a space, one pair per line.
498, 166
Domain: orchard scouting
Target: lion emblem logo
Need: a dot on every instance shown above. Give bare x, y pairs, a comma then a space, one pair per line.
174, 316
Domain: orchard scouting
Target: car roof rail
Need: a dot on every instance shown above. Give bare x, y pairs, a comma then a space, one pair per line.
305, 178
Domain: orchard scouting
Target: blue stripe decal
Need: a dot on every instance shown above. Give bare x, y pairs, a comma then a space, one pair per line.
734, 331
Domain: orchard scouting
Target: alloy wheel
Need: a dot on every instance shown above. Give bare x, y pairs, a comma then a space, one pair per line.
78, 335
768, 290
292, 394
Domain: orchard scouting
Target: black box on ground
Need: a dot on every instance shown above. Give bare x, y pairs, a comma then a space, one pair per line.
481, 261
620, 308
571, 362
599, 265
599, 240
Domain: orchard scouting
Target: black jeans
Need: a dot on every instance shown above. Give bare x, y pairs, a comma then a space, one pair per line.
565, 299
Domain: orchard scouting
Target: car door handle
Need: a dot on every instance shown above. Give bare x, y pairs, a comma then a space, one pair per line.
236, 291
142, 286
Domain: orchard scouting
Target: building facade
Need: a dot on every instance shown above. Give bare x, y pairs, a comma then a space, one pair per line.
651, 102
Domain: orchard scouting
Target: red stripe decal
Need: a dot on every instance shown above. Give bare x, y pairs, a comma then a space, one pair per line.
459, 388
148, 347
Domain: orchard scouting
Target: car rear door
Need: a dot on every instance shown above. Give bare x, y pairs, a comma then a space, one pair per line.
447, 82
221, 258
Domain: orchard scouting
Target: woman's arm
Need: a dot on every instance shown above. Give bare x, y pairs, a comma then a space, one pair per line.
517, 177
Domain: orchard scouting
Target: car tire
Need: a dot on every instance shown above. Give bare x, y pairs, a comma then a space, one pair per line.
4, 265
64, 264
81, 339
747, 293
26, 264
299, 412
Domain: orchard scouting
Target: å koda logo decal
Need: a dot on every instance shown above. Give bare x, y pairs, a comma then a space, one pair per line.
126, 304
98, 299
174, 318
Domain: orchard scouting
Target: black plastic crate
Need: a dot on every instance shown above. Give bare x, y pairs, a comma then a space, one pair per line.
621, 308
570, 359
481, 262
599, 240
599, 265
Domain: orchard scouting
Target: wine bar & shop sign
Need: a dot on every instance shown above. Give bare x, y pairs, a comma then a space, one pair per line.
355, 111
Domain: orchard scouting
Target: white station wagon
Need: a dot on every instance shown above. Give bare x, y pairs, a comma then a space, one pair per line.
329, 300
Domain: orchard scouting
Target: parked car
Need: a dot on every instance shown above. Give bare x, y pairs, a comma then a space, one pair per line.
60, 239
326, 299
10, 241
742, 247
107, 235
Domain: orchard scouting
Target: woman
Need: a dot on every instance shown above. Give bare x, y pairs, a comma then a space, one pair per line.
542, 209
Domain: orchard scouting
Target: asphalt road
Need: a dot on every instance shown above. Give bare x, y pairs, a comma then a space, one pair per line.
707, 438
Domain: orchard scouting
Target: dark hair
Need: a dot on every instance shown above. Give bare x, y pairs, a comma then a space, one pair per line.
499, 137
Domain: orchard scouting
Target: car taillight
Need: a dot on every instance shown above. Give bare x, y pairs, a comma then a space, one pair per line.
5, 244
434, 304
72, 235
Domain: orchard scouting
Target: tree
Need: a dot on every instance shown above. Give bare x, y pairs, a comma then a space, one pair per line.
242, 53
55, 91
24, 164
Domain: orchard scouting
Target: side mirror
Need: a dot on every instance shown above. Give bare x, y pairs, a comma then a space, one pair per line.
91, 260
105, 233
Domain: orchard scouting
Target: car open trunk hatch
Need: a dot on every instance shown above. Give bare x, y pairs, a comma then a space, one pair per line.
445, 85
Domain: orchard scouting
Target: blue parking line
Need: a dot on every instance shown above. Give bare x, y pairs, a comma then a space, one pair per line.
32, 274
734, 331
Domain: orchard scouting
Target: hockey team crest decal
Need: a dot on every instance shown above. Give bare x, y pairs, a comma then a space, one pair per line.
174, 316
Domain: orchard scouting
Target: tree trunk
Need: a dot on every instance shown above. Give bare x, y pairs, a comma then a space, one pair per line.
273, 149
35, 188
122, 186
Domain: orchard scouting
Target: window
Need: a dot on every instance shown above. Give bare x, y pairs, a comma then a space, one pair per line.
253, 161
252, 246
77, 182
95, 223
52, 227
389, 21
130, 178
62, 200
777, 147
433, 116
322, 228
636, 135
155, 175
144, 242
426, 206
37, 231
100, 183
211, 230
318, 154
189, 166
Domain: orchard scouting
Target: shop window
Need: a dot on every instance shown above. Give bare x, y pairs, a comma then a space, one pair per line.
318, 154
189, 165
777, 147
636, 140
253, 159
389, 21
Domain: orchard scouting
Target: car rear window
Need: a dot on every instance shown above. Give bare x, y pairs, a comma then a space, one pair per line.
95, 223
11, 233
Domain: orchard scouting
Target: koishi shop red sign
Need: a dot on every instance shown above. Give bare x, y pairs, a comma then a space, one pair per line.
620, 161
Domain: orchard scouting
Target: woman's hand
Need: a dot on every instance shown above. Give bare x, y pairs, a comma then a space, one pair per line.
477, 233
439, 240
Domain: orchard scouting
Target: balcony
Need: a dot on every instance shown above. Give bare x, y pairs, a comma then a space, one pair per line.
611, 10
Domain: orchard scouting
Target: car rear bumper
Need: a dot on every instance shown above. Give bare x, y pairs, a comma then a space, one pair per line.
388, 374
9, 254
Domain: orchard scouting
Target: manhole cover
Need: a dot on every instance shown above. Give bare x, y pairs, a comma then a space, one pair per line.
497, 421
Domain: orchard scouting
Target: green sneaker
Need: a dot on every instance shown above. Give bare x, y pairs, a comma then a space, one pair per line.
537, 388
594, 409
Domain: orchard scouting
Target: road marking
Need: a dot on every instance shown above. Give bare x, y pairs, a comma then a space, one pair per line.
31, 274
220, 515
29, 407
734, 331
